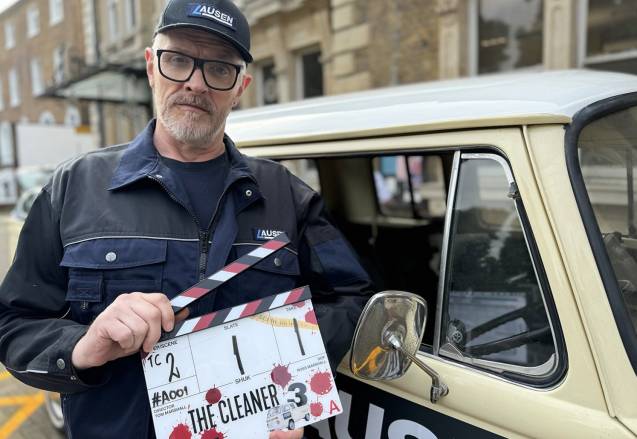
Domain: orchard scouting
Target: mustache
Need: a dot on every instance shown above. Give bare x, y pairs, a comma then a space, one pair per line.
196, 101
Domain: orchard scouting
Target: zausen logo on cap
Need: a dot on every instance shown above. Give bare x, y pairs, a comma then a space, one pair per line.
211, 13
265, 234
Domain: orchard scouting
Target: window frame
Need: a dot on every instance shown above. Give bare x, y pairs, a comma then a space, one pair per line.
15, 98
9, 35
56, 12
581, 119
473, 37
112, 17
584, 60
260, 88
33, 21
131, 15
59, 60
540, 376
300, 70
37, 80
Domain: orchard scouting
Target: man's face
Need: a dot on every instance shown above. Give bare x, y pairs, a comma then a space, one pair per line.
190, 111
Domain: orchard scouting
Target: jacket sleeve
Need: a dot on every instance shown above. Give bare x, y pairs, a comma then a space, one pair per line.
36, 339
340, 286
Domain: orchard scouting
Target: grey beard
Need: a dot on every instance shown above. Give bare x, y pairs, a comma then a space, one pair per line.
190, 129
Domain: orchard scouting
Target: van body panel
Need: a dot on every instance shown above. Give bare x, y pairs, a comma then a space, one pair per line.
617, 376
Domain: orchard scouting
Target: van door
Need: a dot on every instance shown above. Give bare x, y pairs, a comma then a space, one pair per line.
508, 340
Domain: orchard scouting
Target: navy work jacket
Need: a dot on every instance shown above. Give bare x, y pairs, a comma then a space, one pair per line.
115, 221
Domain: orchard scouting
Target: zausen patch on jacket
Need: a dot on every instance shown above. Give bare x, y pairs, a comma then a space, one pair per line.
265, 234
211, 13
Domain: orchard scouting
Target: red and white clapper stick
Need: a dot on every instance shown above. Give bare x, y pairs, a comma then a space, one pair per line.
185, 298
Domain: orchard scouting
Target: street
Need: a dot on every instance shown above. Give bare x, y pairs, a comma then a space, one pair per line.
22, 411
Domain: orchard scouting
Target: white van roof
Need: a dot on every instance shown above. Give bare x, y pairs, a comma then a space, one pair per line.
483, 101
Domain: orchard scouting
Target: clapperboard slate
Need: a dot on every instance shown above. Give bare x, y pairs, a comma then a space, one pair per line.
243, 371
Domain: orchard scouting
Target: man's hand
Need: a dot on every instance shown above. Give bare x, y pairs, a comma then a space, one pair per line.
132, 322
294, 434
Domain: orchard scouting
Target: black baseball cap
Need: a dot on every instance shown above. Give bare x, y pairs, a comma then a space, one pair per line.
220, 17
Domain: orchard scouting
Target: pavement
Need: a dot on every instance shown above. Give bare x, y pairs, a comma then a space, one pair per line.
22, 411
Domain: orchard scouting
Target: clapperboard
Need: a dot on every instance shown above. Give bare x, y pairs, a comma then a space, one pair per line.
244, 371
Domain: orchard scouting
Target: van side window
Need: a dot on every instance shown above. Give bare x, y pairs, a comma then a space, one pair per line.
410, 186
306, 170
493, 310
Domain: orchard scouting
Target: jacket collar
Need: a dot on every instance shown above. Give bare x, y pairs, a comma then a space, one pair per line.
141, 159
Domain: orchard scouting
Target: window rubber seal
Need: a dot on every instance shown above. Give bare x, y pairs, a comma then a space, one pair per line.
582, 119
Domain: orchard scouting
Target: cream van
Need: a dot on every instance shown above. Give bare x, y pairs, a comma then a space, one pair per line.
505, 207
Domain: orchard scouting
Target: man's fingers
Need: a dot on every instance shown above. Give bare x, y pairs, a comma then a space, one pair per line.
121, 334
138, 327
163, 304
152, 316
294, 434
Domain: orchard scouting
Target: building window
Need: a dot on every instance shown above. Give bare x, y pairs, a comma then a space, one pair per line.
9, 35
56, 11
33, 21
310, 74
46, 118
131, 14
72, 117
14, 88
113, 22
58, 64
268, 86
509, 35
37, 85
6, 144
611, 35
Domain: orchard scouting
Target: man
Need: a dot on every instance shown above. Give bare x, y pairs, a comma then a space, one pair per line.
119, 231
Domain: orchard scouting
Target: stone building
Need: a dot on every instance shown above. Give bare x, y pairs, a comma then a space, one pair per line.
114, 80
41, 45
360, 44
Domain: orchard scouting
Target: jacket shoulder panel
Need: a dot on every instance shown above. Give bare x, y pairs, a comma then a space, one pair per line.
93, 167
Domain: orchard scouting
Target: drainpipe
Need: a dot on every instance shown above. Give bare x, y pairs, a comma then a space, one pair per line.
98, 60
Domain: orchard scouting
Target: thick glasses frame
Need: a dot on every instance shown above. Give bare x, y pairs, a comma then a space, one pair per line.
198, 63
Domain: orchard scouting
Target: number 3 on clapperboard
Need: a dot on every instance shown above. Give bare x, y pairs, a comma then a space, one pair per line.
170, 359
299, 390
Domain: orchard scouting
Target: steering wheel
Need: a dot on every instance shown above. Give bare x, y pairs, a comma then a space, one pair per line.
461, 337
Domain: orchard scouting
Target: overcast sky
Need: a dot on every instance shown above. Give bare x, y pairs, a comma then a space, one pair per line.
4, 4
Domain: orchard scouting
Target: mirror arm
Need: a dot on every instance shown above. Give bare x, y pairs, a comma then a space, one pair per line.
438, 388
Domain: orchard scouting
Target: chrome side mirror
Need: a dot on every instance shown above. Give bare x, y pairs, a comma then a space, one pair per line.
387, 338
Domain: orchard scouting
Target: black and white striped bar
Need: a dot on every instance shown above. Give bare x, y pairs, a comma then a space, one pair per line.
202, 288
238, 312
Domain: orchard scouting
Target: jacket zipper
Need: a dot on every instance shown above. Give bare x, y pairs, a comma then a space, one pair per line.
203, 235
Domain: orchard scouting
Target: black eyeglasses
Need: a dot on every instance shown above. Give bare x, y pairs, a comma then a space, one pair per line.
179, 67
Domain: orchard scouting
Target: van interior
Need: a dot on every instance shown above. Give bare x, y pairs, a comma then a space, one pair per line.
392, 211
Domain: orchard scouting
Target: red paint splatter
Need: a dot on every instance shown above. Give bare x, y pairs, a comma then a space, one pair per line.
300, 304
212, 434
321, 383
310, 317
181, 431
213, 395
316, 408
280, 375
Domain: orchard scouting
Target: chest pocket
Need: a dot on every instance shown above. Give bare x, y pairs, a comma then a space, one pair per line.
102, 269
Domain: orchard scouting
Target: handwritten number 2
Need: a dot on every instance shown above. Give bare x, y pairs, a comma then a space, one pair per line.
174, 371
